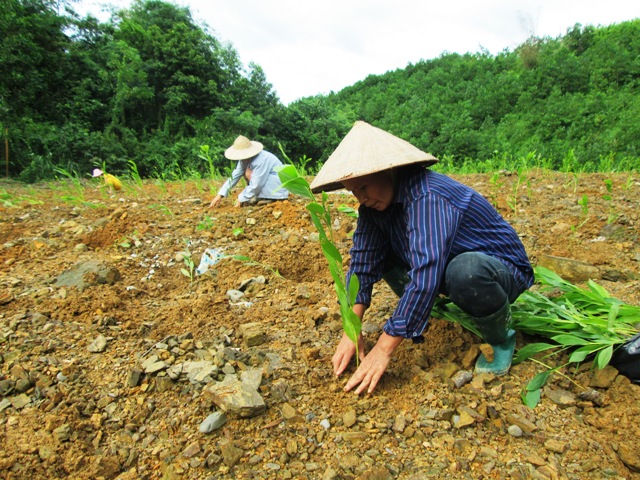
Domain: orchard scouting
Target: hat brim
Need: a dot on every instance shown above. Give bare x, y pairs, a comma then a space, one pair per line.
365, 150
233, 153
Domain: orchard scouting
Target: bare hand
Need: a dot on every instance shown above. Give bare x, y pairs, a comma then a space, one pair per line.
216, 201
371, 369
344, 353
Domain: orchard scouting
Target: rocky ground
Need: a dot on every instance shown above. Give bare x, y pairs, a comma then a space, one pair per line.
117, 362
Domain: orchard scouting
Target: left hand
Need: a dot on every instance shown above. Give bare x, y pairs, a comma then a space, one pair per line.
368, 374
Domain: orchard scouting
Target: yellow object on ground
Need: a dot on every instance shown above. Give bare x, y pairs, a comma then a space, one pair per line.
112, 181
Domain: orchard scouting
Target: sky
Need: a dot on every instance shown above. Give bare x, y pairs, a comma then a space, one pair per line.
308, 48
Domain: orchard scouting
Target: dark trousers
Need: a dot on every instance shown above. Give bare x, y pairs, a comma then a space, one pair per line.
477, 283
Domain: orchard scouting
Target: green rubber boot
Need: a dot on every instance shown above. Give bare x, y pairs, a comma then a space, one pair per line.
496, 332
397, 279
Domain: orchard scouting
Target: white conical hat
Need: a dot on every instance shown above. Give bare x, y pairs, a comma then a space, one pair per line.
365, 150
242, 149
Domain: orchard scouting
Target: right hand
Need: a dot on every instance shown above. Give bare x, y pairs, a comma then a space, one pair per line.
344, 353
216, 201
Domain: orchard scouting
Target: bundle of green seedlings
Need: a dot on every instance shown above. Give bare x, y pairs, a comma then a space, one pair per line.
585, 323
321, 218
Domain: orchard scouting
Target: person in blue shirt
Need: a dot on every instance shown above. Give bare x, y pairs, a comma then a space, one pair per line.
425, 234
257, 166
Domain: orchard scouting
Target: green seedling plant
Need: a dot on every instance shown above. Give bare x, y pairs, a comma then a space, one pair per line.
206, 223
238, 231
612, 215
629, 183
76, 186
163, 209
584, 212
584, 323
12, 201
189, 266
348, 211
495, 187
302, 166
512, 201
134, 174
123, 242
250, 262
127, 241
8, 200
321, 218
214, 174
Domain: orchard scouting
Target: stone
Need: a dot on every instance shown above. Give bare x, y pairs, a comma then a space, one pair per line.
213, 422
515, 431
461, 378
86, 274
526, 425
573, 271
133, 379
603, 378
235, 296
562, 398
464, 420
62, 433
469, 359
98, 345
288, 412
191, 450
230, 454
20, 401
630, 456
349, 418
252, 333
555, 446
487, 351
236, 398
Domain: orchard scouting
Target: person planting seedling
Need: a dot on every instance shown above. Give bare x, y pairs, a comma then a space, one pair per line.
425, 234
110, 181
258, 167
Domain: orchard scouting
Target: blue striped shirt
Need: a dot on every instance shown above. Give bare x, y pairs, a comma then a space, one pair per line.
431, 219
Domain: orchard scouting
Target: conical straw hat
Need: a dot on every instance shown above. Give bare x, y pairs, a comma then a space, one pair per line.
242, 149
365, 150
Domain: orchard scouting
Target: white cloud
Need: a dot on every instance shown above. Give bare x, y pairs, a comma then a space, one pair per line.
309, 48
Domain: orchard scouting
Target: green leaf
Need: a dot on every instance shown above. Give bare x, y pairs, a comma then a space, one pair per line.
354, 288
603, 357
293, 182
330, 249
613, 314
531, 398
349, 211
581, 353
316, 208
537, 382
569, 340
531, 349
598, 289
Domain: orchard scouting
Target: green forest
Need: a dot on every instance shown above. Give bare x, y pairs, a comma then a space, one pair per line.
154, 91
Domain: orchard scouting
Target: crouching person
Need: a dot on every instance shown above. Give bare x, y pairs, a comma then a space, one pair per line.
425, 234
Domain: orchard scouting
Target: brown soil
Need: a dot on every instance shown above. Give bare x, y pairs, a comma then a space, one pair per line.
76, 415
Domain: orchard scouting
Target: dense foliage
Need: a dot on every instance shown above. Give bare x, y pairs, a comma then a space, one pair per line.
579, 93
151, 86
